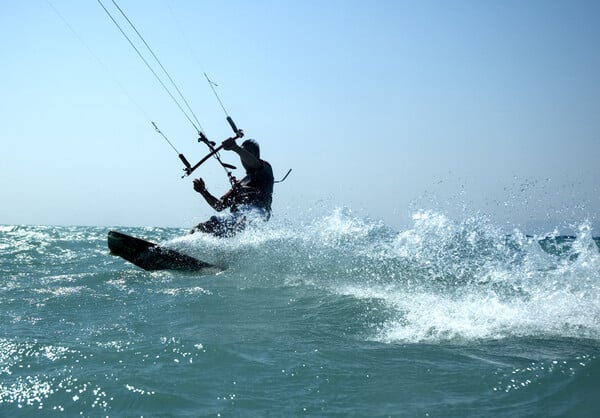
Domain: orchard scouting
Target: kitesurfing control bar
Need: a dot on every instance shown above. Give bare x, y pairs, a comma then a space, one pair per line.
188, 170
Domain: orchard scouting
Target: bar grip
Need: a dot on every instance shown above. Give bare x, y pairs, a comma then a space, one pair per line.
185, 161
232, 124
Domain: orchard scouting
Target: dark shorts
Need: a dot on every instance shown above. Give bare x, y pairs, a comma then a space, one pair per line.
229, 224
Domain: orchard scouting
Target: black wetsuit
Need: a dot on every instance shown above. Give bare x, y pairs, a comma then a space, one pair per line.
256, 189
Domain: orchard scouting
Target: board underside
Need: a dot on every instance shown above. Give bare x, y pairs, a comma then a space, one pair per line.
151, 256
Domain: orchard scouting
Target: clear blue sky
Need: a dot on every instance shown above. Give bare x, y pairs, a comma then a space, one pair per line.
384, 107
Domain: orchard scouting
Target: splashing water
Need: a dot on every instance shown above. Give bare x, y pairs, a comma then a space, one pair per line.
439, 280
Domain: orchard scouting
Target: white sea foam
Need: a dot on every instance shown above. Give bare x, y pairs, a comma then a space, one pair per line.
468, 280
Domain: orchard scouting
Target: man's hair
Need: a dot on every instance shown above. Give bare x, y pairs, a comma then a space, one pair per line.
251, 146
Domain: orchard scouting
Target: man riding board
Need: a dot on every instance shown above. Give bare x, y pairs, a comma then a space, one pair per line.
251, 196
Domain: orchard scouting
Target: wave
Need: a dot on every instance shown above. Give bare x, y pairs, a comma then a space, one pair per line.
439, 280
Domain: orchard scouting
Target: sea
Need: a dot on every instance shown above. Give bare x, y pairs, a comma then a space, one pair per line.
337, 316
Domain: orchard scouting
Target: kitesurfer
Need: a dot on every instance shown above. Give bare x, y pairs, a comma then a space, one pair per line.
249, 197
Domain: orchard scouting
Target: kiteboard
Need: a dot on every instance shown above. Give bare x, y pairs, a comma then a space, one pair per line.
151, 256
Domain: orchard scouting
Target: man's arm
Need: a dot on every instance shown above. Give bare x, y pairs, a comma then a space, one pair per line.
248, 159
217, 204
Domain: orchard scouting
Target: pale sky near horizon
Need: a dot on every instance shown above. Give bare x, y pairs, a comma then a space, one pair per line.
383, 107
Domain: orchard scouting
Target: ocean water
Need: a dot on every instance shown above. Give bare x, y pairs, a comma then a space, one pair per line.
339, 316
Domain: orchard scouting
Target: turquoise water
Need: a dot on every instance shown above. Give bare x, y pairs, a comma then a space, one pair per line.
339, 316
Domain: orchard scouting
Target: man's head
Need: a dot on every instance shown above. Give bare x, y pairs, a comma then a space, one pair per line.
252, 147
